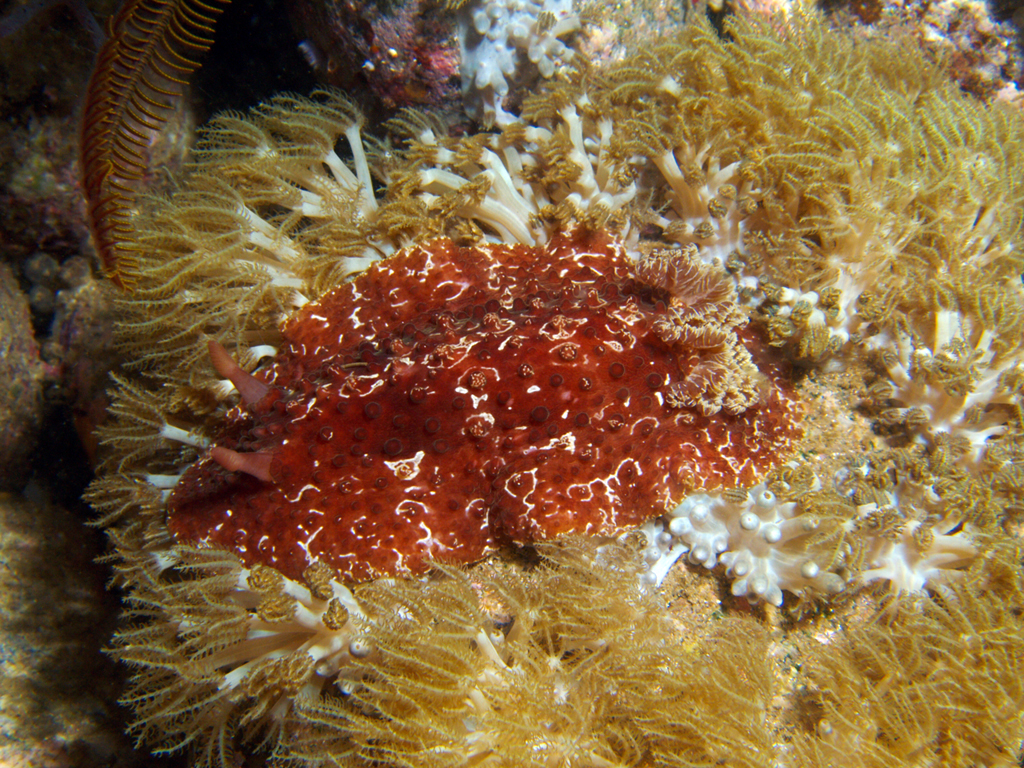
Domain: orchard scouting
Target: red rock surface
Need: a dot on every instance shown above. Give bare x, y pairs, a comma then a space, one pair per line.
451, 400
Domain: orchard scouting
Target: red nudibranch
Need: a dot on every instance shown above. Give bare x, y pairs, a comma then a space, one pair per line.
451, 400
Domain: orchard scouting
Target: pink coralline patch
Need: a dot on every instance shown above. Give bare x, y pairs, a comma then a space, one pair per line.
388, 55
452, 400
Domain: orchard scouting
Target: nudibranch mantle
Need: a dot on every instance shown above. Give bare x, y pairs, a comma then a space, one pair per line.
451, 400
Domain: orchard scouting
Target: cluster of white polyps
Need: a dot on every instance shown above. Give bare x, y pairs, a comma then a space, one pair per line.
508, 210
920, 554
495, 35
762, 542
913, 540
950, 382
766, 545
708, 204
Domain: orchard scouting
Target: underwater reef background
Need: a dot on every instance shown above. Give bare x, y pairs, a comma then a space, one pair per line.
919, 496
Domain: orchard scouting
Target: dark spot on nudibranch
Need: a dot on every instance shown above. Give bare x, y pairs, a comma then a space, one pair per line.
456, 422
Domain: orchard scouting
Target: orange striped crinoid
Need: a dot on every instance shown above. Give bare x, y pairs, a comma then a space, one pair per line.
153, 47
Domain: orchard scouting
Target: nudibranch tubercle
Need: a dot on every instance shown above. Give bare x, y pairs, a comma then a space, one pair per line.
453, 399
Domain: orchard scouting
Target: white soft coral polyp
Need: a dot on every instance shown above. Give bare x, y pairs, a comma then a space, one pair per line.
910, 567
761, 542
960, 408
499, 39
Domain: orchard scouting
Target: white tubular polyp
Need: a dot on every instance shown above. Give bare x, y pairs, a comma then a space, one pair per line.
499, 217
504, 189
179, 435
355, 141
686, 200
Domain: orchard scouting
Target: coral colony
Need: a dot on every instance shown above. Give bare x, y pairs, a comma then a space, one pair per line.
509, 40
424, 445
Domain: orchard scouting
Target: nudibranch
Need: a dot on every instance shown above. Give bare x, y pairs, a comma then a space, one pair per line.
452, 400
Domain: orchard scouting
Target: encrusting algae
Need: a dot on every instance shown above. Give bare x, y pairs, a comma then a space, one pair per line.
781, 201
